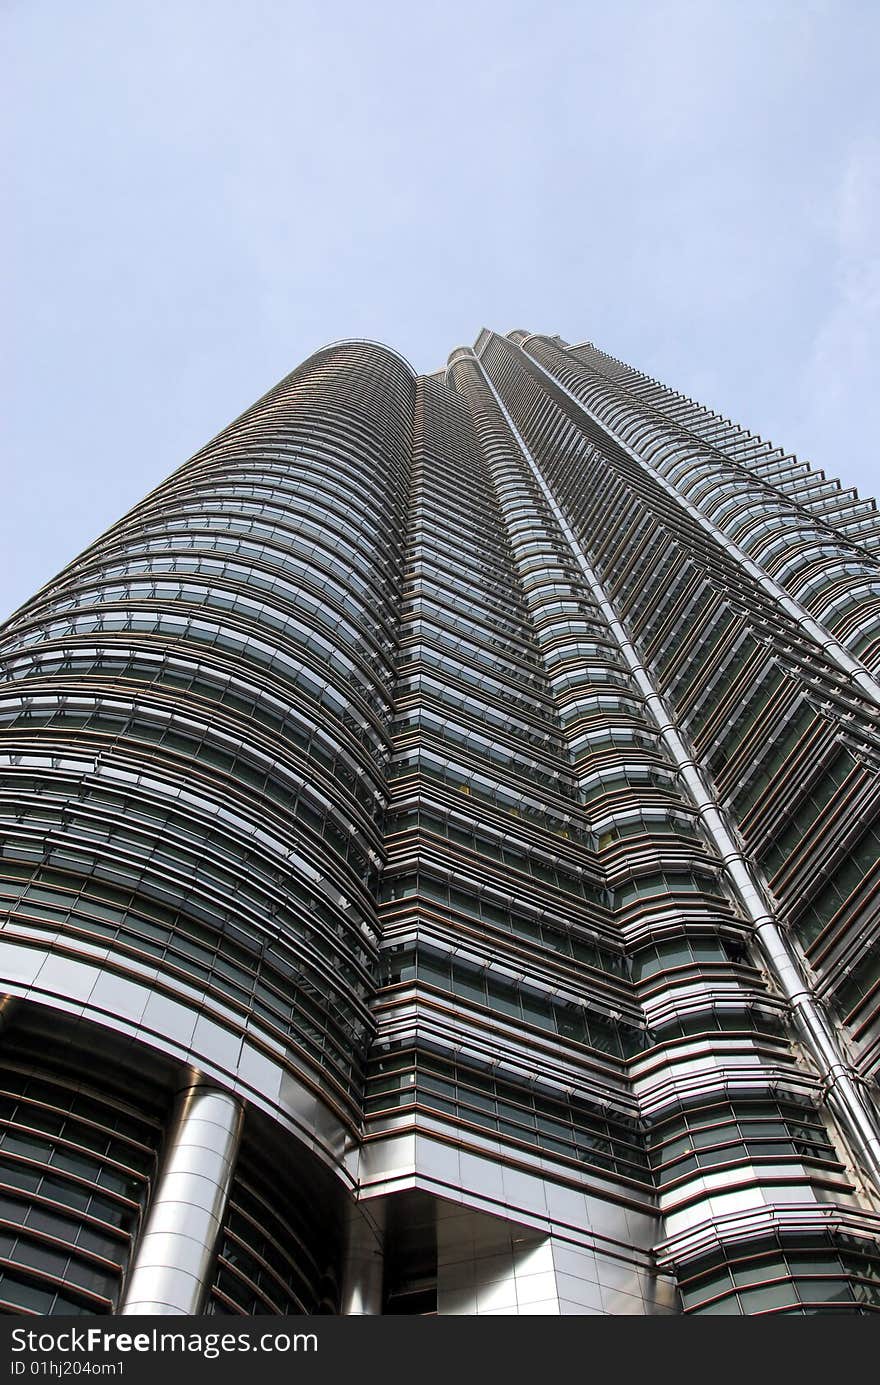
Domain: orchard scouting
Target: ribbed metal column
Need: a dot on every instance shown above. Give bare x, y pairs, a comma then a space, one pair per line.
171, 1270
363, 1271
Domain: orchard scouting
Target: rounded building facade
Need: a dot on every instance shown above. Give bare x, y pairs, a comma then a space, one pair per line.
194, 721
418, 817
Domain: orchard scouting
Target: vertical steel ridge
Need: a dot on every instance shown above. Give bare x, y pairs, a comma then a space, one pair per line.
842, 1093
850, 666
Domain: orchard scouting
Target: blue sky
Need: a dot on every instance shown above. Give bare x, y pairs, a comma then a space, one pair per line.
200, 193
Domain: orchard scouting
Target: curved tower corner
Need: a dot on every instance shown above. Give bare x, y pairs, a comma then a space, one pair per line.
195, 734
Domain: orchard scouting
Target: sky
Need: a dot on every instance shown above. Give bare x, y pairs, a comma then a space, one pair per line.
200, 193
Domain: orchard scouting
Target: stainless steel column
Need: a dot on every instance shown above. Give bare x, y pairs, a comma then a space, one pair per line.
362, 1272
174, 1256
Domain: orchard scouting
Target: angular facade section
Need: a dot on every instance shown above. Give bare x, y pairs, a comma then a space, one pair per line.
439, 851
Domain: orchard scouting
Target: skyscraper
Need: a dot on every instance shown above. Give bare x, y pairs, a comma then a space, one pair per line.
439, 864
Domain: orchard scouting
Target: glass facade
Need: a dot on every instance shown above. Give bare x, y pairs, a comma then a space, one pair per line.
466, 786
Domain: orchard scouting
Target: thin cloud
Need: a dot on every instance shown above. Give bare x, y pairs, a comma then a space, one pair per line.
843, 364
197, 206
